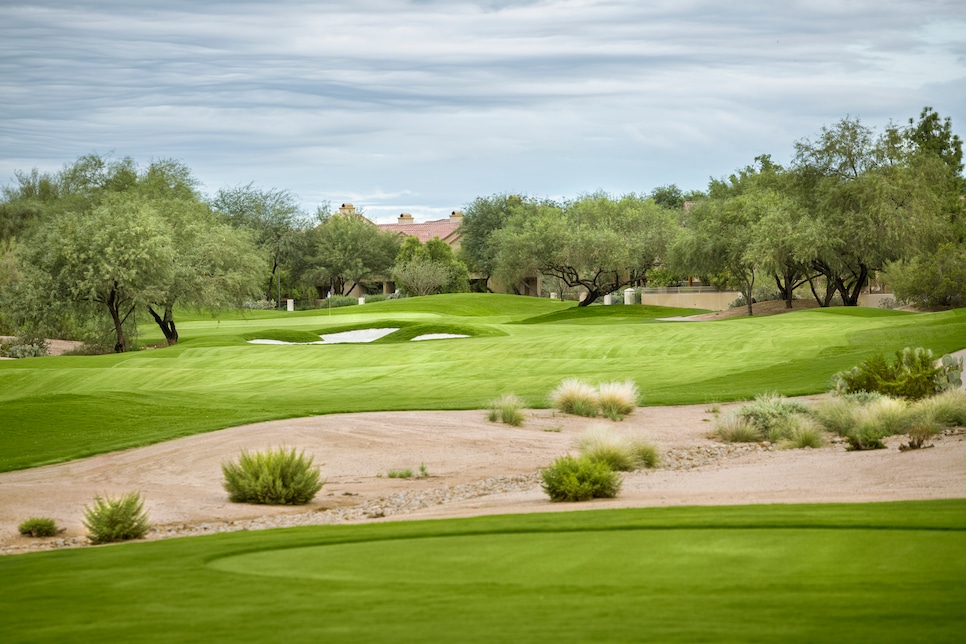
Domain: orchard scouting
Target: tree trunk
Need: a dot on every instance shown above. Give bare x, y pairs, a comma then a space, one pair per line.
592, 295
113, 306
166, 323
850, 292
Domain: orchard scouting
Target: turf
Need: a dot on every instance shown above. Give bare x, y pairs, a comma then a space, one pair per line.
865, 572
56, 409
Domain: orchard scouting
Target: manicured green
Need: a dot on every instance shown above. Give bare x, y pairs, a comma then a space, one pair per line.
56, 409
892, 572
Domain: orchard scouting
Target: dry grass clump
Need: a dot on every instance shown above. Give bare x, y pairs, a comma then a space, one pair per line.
507, 409
734, 428
620, 453
617, 399
273, 477
574, 396
948, 409
803, 432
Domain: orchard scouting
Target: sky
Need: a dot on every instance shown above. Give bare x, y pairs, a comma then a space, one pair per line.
421, 106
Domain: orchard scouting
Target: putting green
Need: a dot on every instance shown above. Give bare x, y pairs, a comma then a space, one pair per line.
807, 560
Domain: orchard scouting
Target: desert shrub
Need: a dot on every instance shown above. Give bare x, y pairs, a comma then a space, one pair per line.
617, 399
645, 454
579, 479
864, 436
890, 415
379, 297
26, 346
38, 527
400, 474
914, 374
948, 409
802, 433
733, 428
838, 415
771, 414
272, 477
507, 409
338, 301
259, 305
919, 436
599, 443
573, 396
120, 519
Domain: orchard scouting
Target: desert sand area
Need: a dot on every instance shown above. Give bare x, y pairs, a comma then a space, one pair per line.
473, 466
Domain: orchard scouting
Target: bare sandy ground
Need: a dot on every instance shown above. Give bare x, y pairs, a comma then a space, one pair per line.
180, 480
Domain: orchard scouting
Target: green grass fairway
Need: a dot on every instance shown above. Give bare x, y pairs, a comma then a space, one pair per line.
55, 409
893, 572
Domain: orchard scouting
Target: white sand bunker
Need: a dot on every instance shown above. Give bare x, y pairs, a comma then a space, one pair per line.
362, 335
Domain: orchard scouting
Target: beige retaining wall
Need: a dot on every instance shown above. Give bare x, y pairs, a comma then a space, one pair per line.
713, 301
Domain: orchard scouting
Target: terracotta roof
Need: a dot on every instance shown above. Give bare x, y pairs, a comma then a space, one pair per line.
445, 229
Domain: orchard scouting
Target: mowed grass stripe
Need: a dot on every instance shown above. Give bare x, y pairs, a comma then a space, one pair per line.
217, 378
862, 572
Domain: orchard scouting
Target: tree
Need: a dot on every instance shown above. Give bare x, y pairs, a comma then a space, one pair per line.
718, 236
421, 276
595, 242
348, 250
669, 196
869, 202
931, 280
424, 269
481, 218
274, 218
116, 256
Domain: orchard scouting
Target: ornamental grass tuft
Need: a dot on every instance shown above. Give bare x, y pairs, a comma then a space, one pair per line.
617, 399
573, 396
621, 454
507, 409
272, 477
110, 519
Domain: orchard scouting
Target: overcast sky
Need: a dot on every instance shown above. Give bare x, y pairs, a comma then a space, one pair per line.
420, 106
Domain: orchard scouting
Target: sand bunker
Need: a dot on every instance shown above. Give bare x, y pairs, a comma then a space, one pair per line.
346, 337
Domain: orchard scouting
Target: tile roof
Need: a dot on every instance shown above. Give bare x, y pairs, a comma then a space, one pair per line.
445, 229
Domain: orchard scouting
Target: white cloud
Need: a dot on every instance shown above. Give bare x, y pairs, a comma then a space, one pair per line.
425, 105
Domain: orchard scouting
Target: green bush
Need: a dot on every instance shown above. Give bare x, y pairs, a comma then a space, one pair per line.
400, 474
507, 409
272, 477
38, 527
338, 301
579, 479
573, 396
110, 519
865, 436
26, 346
914, 374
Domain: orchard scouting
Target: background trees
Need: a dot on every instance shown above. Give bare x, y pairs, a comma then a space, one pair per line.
595, 242
275, 219
107, 235
347, 249
426, 269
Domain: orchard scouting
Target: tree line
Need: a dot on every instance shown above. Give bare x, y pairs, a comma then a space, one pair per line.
85, 250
